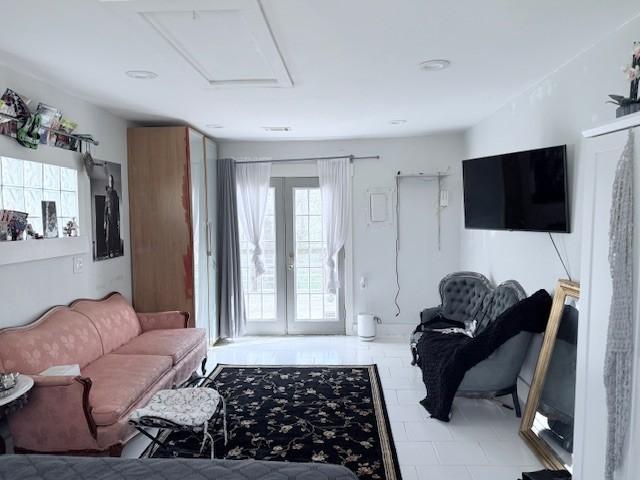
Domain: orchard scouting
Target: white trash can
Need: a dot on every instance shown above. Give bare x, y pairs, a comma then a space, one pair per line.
367, 326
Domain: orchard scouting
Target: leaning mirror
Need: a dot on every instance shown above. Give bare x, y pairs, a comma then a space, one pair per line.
547, 424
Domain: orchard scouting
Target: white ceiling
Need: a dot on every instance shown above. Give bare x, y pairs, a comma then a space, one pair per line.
353, 63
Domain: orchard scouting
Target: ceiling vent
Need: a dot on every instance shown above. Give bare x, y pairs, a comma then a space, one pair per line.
276, 129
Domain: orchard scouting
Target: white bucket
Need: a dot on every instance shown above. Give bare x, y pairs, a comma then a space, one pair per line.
367, 326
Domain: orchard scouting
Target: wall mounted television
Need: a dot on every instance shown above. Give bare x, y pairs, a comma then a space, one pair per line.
518, 191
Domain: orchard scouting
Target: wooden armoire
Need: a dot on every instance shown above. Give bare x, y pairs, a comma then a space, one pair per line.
172, 201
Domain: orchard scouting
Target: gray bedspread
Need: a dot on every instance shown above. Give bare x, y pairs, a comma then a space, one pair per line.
48, 467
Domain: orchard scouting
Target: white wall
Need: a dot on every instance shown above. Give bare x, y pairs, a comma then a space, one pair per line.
421, 265
552, 112
28, 289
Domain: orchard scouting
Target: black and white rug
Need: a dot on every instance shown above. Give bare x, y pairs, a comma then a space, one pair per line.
328, 414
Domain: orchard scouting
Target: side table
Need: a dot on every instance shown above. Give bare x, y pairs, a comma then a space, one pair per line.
14, 399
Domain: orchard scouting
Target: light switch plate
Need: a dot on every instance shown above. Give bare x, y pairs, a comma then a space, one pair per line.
78, 264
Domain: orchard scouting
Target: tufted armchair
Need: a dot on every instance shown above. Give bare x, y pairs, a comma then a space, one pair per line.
470, 298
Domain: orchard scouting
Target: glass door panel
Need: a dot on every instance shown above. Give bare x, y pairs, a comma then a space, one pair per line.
311, 309
264, 296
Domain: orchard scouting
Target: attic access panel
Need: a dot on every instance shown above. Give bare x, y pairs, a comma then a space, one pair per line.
226, 42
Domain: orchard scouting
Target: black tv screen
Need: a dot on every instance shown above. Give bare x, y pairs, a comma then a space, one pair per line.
517, 191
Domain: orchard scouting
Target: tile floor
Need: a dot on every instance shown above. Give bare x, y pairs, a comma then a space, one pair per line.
481, 441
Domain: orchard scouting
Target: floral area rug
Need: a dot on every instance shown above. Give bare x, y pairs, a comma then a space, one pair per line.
326, 414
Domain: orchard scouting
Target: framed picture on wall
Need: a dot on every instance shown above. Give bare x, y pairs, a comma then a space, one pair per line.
106, 193
49, 219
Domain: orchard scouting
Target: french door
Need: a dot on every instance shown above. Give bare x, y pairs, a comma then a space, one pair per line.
291, 296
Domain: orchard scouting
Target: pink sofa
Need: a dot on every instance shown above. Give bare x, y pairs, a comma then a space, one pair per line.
124, 358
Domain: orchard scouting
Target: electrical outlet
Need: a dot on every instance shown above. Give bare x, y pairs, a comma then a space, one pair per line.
78, 264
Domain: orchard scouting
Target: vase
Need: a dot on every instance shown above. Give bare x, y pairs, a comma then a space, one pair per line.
623, 110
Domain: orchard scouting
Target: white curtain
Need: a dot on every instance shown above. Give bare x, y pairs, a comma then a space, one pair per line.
252, 182
335, 188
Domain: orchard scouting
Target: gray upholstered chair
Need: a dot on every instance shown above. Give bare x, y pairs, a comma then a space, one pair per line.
468, 297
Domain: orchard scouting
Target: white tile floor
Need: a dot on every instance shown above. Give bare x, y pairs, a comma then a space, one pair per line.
481, 441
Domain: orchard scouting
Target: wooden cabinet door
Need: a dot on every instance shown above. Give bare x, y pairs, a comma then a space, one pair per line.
160, 218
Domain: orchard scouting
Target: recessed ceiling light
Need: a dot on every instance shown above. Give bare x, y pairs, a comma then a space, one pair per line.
433, 65
398, 122
213, 126
141, 74
276, 129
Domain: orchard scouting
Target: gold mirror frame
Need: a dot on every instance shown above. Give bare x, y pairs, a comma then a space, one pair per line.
564, 289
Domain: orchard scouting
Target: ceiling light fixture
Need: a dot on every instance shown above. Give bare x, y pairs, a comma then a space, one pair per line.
276, 129
213, 126
435, 65
397, 122
141, 74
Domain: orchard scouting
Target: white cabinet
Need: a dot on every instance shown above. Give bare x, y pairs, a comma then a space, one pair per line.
211, 157
597, 164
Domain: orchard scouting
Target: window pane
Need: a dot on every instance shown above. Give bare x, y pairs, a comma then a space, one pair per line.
12, 172
51, 177
316, 303
13, 198
315, 280
302, 280
68, 179
33, 175
254, 306
315, 228
315, 202
302, 229
316, 258
268, 307
302, 254
302, 201
33, 202
68, 204
302, 306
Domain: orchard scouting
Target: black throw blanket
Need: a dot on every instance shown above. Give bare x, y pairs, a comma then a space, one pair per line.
445, 358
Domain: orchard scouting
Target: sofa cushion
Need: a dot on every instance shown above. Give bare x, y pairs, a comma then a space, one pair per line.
59, 337
175, 343
119, 381
113, 317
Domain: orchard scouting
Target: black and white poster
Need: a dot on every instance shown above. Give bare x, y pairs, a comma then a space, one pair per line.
106, 198
49, 219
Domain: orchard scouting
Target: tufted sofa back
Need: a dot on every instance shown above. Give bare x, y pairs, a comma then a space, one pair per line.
503, 297
462, 294
470, 296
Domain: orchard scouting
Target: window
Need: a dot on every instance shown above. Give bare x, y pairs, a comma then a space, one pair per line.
260, 293
313, 302
24, 185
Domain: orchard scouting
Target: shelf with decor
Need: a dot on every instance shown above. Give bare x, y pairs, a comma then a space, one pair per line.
22, 251
76, 136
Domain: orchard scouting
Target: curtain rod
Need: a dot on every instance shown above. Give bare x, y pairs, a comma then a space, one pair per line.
310, 159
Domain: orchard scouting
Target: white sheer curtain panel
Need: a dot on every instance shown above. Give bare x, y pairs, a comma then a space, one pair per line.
335, 188
253, 182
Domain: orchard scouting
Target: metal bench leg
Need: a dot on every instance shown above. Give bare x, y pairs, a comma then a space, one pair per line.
516, 402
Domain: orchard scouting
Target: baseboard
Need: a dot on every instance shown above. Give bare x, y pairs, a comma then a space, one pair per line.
393, 330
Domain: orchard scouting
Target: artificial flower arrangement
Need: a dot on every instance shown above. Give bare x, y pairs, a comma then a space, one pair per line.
630, 104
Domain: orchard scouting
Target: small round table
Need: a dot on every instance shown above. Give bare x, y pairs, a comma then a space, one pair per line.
13, 399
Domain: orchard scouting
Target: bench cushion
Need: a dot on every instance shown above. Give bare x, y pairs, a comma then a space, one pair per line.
174, 343
119, 381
